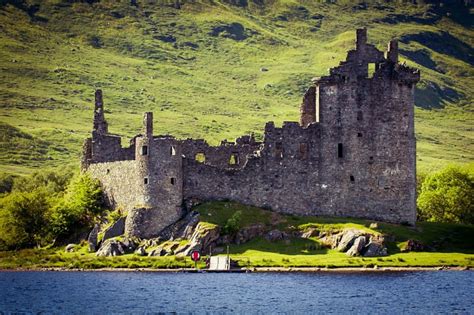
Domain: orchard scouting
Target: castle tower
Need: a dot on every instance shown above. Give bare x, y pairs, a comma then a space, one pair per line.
100, 124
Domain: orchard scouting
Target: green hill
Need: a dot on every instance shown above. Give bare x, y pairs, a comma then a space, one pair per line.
197, 65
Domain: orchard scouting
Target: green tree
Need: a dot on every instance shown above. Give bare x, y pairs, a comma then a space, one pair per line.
233, 223
448, 196
81, 205
23, 219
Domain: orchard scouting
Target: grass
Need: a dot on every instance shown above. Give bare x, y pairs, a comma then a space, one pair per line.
449, 245
157, 58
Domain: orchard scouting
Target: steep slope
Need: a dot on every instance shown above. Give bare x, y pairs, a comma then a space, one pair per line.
198, 66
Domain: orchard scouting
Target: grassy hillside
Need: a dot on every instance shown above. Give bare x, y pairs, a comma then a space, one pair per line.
198, 68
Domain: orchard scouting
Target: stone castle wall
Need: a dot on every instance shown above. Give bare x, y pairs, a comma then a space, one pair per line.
351, 154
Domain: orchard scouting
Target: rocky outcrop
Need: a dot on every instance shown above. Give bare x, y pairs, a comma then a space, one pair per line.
245, 234
275, 235
115, 229
311, 232
414, 246
70, 248
357, 243
203, 237
357, 247
183, 228
140, 251
115, 247
92, 238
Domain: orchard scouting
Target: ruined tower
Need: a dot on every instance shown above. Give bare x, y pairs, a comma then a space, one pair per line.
351, 154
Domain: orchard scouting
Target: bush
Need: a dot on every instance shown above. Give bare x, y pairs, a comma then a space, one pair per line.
6, 183
233, 223
23, 219
44, 206
448, 196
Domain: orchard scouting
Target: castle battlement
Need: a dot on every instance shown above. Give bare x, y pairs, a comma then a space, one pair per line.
351, 154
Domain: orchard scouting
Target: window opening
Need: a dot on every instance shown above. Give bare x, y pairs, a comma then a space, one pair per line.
200, 157
371, 70
173, 180
172, 151
303, 151
145, 180
352, 178
339, 150
145, 150
359, 135
279, 150
234, 159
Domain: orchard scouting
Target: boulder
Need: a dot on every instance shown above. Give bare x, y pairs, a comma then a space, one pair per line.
111, 247
70, 248
357, 247
347, 239
115, 247
92, 238
311, 232
115, 229
140, 251
275, 235
160, 251
203, 237
248, 233
182, 229
414, 246
374, 249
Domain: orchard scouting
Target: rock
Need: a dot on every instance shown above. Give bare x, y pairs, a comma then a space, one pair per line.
183, 228
357, 247
70, 248
115, 229
263, 69
275, 235
248, 233
160, 251
310, 233
128, 245
203, 237
374, 250
181, 249
348, 238
140, 251
414, 246
111, 247
92, 238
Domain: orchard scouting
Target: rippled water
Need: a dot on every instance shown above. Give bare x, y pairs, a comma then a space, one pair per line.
264, 293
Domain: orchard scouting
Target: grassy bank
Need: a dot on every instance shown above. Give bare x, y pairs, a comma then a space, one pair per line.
448, 245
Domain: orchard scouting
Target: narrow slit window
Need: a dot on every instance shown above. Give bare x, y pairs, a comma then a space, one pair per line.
371, 70
279, 150
359, 135
234, 159
339, 150
173, 180
352, 178
145, 150
172, 151
145, 180
200, 157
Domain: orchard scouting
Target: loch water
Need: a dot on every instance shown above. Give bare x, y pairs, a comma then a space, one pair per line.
425, 292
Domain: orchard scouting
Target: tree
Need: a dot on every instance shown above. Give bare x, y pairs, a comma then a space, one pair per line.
23, 219
448, 196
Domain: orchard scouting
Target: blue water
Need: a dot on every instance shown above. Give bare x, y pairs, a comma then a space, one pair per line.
264, 293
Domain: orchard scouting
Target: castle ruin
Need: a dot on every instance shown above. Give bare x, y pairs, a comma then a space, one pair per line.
352, 154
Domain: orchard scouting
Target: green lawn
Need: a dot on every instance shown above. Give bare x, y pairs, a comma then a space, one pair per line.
449, 244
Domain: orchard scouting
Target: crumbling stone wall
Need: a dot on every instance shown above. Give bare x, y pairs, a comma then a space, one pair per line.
351, 154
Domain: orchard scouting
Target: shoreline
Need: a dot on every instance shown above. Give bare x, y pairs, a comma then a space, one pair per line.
250, 270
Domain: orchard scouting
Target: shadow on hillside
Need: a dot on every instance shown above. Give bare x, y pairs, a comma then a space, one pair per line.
429, 95
443, 43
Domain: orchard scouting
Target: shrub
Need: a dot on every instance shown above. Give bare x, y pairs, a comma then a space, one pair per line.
23, 219
233, 223
448, 196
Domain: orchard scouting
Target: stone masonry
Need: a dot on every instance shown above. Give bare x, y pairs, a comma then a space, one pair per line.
352, 154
